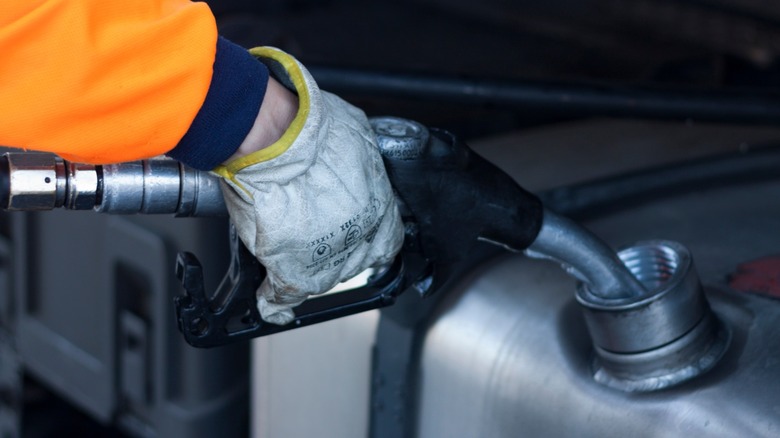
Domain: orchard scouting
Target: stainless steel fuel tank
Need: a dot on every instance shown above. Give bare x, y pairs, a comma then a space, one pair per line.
508, 353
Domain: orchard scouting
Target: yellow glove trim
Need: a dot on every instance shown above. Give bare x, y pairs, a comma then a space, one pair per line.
293, 69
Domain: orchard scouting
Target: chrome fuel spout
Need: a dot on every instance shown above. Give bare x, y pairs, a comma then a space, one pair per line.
585, 256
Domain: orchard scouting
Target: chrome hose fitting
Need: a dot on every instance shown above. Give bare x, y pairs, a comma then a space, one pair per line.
40, 181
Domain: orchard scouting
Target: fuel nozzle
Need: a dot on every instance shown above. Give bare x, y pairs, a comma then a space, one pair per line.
456, 198
41, 181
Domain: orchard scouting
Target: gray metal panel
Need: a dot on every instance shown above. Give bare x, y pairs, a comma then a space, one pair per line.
96, 322
65, 307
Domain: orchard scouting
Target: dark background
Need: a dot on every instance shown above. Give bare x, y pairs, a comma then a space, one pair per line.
702, 46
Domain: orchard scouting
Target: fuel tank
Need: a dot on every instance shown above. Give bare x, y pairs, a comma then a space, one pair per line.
508, 352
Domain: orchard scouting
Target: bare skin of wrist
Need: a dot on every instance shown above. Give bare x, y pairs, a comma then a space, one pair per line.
276, 113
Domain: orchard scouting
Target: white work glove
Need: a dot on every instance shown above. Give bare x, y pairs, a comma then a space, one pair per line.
316, 207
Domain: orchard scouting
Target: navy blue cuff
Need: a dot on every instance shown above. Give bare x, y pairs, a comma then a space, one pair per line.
229, 111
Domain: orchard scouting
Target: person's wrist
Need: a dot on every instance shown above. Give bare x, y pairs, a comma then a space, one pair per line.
276, 113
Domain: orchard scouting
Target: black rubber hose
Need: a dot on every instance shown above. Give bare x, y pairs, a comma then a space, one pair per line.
623, 191
566, 99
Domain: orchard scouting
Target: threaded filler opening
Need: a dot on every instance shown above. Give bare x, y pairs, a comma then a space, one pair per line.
652, 264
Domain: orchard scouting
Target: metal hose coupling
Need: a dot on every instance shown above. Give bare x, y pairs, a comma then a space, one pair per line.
661, 338
41, 181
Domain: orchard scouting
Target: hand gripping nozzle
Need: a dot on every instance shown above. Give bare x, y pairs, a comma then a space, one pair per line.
450, 198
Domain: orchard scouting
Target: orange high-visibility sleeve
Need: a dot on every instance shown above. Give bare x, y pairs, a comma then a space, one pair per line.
100, 81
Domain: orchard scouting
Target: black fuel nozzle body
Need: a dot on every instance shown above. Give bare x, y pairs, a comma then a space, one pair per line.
453, 198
